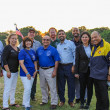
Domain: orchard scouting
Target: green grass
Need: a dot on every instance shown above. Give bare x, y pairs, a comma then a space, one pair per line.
36, 106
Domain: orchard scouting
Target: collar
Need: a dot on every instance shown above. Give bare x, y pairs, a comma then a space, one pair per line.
87, 46
75, 41
47, 48
34, 41
65, 41
101, 43
54, 40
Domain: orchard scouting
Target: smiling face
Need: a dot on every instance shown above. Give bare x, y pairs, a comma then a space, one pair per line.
85, 39
28, 44
13, 40
75, 32
52, 33
96, 38
31, 34
61, 35
46, 41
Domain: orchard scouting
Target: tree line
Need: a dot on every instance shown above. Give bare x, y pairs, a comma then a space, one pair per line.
104, 31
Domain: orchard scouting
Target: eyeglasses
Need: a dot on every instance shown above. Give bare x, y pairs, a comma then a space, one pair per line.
46, 39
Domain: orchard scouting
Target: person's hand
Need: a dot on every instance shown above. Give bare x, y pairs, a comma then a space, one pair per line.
77, 76
53, 74
108, 78
34, 74
72, 69
28, 76
1, 73
8, 74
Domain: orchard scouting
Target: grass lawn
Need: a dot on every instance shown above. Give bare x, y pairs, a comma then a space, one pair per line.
36, 106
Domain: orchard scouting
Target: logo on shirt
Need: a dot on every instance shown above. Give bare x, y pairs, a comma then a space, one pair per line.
99, 52
33, 57
65, 48
48, 53
12, 51
40, 52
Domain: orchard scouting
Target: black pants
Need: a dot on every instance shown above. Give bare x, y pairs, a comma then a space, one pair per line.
64, 74
86, 82
33, 90
101, 90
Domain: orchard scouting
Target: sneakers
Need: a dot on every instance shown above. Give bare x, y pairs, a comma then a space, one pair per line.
42, 103
27, 108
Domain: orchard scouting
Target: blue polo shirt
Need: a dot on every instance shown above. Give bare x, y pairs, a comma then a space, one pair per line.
29, 64
47, 57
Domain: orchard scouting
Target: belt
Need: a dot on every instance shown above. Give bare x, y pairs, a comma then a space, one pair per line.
66, 64
47, 67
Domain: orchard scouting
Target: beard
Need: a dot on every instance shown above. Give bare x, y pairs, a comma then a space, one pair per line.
76, 35
62, 38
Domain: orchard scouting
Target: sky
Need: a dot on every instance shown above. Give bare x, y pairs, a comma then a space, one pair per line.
61, 14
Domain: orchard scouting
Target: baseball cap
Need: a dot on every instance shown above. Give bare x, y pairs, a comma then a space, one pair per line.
31, 29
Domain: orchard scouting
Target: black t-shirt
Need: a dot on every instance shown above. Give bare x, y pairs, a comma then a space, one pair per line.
10, 58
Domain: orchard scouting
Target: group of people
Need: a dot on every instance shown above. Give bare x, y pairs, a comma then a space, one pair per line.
81, 62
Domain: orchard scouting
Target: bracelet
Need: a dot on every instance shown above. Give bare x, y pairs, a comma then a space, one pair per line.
8, 71
27, 74
37, 70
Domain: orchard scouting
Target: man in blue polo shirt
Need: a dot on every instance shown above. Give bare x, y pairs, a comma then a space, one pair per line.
48, 58
100, 70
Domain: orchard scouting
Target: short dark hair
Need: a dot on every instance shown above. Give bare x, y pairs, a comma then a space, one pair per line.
27, 38
61, 30
85, 32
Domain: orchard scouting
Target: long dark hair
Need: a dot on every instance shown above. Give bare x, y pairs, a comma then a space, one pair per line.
85, 32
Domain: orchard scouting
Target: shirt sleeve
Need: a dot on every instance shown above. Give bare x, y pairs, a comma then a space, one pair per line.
77, 55
73, 47
20, 46
37, 55
1, 50
21, 55
108, 54
34, 55
56, 55
5, 55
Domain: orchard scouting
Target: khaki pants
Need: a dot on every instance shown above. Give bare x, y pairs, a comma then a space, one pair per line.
46, 77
